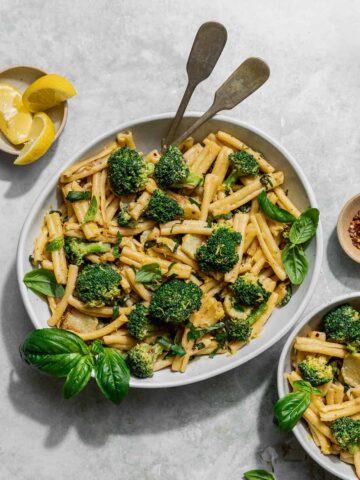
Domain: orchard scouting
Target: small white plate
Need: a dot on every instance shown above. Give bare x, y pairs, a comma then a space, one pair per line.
331, 463
21, 76
148, 133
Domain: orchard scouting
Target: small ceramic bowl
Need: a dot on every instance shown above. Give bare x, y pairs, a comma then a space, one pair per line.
346, 215
313, 321
21, 76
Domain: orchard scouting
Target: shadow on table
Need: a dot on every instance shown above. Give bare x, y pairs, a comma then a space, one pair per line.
21, 178
95, 419
342, 267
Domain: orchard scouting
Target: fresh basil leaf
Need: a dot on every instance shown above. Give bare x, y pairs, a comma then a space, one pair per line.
173, 347
295, 263
55, 244
43, 281
115, 312
258, 475
273, 211
304, 227
91, 212
78, 377
148, 273
199, 346
194, 202
117, 244
53, 351
289, 409
111, 374
304, 386
74, 196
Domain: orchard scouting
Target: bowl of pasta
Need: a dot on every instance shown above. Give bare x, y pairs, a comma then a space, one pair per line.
322, 351
183, 260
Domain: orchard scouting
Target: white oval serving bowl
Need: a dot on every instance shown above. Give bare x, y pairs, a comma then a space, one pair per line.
148, 132
331, 463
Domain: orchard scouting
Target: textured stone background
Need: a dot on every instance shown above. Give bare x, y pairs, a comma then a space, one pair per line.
127, 59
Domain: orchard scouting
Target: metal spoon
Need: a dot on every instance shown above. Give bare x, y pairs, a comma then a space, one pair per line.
205, 52
247, 78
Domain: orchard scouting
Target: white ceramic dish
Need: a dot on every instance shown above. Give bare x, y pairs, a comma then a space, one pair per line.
331, 463
148, 132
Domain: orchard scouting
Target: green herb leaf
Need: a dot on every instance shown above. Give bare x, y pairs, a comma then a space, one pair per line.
55, 244
295, 263
289, 409
304, 386
258, 475
53, 351
78, 377
173, 347
43, 281
194, 202
304, 228
115, 312
111, 373
91, 212
273, 211
148, 273
195, 333
74, 196
199, 346
117, 244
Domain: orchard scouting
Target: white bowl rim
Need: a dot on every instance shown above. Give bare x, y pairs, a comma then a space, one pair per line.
51, 184
318, 457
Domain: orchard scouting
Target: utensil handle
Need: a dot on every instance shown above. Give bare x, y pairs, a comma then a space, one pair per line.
200, 121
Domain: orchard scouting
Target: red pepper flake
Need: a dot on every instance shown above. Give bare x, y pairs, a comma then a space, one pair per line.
354, 230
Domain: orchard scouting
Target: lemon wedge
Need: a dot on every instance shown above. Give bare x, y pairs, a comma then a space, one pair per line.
42, 135
15, 118
46, 92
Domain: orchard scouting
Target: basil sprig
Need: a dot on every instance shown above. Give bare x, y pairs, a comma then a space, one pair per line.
74, 196
172, 347
289, 409
43, 281
148, 273
293, 256
273, 211
258, 475
91, 211
65, 355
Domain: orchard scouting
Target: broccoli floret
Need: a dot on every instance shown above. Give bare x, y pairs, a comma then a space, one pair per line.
174, 301
315, 369
163, 208
141, 359
347, 433
76, 249
139, 325
98, 285
124, 218
342, 324
243, 164
249, 291
128, 172
241, 330
218, 253
172, 170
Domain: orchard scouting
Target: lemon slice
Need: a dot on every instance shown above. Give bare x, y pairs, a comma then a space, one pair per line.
15, 118
42, 135
46, 92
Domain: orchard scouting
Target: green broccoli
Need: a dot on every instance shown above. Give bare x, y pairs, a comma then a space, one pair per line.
288, 294
124, 219
174, 301
241, 330
141, 359
342, 324
347, 433
139, 325
249, 291
243, 164
218, 253
76, 249
163, 208
128, 172
316, 370
98, 285
172, 170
